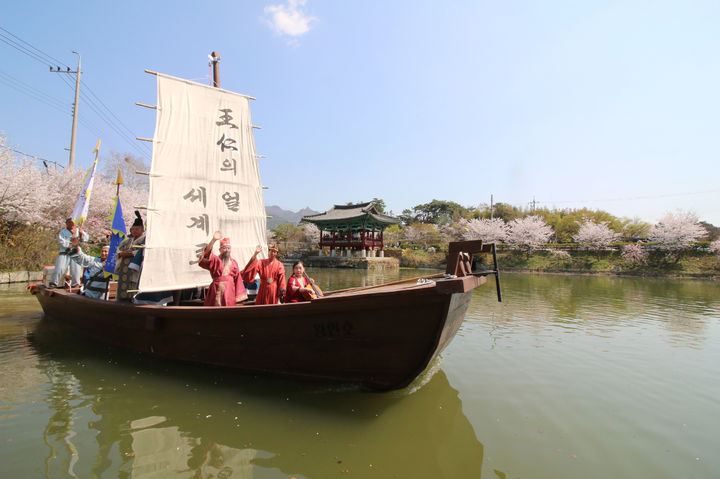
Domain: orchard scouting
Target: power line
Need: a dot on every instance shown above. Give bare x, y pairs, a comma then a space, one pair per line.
94, 102
31, 91
128, 130
38, 56
37, 158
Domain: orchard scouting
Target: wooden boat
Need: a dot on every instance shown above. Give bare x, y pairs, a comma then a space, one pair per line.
380, 337
204, 177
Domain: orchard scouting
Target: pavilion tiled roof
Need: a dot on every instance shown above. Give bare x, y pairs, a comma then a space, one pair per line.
347, 215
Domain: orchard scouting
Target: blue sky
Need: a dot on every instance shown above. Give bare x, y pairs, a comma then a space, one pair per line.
609, 105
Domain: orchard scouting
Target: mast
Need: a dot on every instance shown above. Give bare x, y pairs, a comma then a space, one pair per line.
215, 64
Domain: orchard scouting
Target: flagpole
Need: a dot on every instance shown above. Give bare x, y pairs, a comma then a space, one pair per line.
118, 182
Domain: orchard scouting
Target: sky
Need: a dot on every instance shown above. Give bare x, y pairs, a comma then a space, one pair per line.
611, 105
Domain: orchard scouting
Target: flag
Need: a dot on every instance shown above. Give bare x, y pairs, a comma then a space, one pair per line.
118, 234
82, 205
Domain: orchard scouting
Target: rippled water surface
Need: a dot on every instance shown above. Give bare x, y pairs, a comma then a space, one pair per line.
570, 376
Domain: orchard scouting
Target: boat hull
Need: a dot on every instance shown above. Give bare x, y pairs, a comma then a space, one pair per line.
380, 338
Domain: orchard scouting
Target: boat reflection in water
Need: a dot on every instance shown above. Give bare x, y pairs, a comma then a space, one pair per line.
160, 419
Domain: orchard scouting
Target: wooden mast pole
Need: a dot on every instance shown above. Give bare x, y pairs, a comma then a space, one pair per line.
215, 62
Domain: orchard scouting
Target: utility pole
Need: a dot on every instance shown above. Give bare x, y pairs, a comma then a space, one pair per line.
491, 207
71, 163
214, 58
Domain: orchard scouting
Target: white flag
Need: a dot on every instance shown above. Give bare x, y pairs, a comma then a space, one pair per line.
82, 205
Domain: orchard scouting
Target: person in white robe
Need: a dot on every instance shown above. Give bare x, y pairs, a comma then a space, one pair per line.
62, 263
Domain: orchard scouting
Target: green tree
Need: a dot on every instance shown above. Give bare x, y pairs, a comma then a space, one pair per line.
503, 211
437, 212
287, 232
379, 203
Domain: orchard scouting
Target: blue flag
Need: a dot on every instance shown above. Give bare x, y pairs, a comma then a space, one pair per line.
118, 234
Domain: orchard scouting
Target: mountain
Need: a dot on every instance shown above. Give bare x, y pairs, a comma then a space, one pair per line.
280, 216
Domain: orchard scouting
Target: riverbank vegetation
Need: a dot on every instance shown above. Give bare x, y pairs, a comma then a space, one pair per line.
544, 240
35, 199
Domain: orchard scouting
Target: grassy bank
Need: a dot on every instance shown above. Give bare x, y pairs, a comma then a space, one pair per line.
26, 248
29, 247
659, 263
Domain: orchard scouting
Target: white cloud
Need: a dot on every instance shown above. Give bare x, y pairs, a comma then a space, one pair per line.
289, 19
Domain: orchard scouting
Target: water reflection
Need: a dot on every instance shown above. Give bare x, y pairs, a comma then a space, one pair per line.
157, 419
602, 305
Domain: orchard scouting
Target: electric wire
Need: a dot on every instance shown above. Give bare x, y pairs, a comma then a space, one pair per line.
92, 101
32, 91
40, 52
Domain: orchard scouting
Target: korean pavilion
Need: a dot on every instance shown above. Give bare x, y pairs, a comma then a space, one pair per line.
352, 228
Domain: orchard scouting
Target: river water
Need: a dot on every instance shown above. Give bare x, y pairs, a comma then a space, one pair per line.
569, 377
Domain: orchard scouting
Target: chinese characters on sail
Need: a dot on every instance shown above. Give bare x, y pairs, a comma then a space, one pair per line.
228, 166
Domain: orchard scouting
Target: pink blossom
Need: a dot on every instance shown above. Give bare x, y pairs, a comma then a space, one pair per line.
634, 254
529, 232
677, 231
45, 197
595, 235
489, 230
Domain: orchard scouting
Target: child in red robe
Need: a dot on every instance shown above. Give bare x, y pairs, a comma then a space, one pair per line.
296, 284
272, 276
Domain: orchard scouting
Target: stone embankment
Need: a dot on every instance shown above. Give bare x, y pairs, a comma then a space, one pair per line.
351, 262
21, 277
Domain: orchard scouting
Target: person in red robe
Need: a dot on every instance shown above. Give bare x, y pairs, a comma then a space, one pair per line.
227, 288
298, 287
272, 276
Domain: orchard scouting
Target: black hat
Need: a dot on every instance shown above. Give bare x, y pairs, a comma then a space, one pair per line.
138, 221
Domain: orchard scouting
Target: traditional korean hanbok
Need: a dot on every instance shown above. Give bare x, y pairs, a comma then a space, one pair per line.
96, 285
272, 279
293, 295
227, 288
127, 277
63, 260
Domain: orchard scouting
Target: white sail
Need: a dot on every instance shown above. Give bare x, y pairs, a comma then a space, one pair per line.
204, 177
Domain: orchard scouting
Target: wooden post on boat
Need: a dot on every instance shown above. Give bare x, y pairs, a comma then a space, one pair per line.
460, 260
215, 63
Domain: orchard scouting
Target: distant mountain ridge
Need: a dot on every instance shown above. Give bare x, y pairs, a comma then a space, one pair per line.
280, 216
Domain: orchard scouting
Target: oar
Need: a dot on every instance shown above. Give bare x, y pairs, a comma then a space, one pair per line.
438, 275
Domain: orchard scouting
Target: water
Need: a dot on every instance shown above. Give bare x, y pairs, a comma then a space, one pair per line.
571, 376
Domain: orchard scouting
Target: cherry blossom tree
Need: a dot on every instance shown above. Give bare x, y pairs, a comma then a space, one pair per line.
561, 254
312, 233
634, 254
421, 233
489, 230
529, 233
715, 248
595, 236
453, 231
30, 194
675, 231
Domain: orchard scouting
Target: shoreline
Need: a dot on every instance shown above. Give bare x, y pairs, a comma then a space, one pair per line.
14, 277
635, 274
